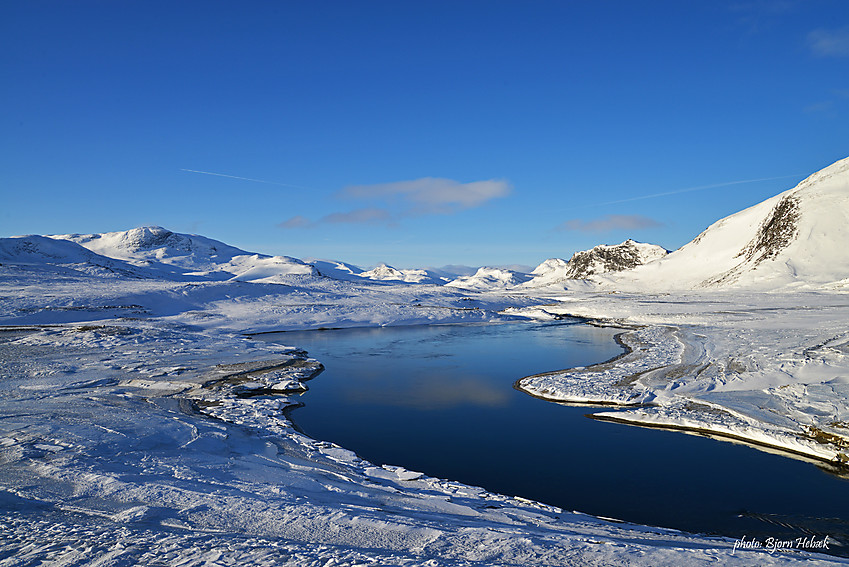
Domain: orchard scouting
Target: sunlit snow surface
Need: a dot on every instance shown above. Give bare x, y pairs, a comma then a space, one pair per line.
769, 368
129, 435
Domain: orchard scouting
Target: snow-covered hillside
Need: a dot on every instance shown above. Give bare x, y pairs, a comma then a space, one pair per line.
384, 272
601, 259
550, 272
606, 258
336, 269
796, 239
41, 252
171, 254
490, 278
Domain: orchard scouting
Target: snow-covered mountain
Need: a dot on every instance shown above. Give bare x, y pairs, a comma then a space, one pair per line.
606, 258
160, 252
39, 252
336, 269
490, 278
384, 272
149, 244
601, 259
550, 272
797, 239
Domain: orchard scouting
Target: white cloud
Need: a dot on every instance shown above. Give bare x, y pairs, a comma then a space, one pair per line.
610, 222
432, 195
834, 43
403, 199
359, 216
296, 222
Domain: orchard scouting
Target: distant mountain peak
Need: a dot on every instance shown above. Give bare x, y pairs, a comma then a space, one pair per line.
384, 272
490, 278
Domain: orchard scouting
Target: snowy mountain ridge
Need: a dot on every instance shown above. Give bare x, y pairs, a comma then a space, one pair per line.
173, 255
490, 278
384, 272
796, 239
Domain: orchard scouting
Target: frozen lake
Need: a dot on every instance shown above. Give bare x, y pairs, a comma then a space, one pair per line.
440, 399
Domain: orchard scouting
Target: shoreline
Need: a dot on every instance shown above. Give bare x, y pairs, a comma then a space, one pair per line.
782, 450
833, 458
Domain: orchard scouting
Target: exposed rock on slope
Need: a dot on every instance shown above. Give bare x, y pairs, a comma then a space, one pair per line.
599, 260
612, 258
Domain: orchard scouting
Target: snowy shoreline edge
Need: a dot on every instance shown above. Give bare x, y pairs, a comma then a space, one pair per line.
564, 387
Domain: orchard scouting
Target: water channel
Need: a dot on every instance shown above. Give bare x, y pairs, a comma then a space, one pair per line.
440, 400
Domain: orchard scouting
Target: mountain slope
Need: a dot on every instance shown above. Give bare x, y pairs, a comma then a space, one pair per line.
336, 269
612, 258
170, 254
550, 272
40, 252
387, 273
796, 239
601, 259
490, 278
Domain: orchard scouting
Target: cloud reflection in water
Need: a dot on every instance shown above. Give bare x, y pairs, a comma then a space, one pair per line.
429, 392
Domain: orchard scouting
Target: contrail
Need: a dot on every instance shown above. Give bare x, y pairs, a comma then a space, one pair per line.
699, 188
244, 178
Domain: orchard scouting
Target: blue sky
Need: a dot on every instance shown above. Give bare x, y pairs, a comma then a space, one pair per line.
414, 133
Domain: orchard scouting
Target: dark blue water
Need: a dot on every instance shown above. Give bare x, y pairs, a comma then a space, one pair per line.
440, 399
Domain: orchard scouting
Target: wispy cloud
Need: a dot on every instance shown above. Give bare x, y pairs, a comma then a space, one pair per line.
357, 216
389, 203
756, 16
296, 222
432, 195
832, 107
609, 223
243, 178
823, 106
830, 43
